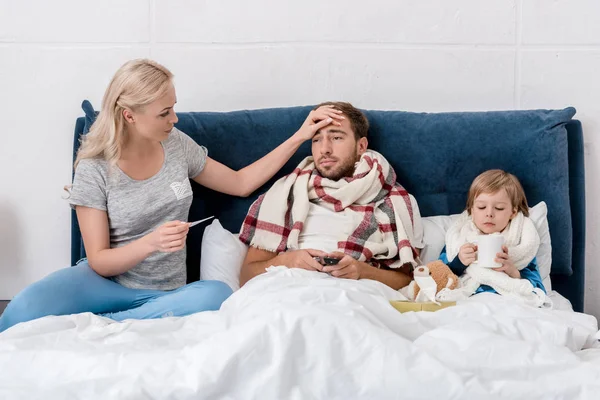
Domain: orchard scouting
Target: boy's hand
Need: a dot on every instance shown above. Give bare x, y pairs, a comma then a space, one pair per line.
467, 253
507, 265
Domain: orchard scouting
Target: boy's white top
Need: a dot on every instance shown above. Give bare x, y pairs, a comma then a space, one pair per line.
522, 240
520, 237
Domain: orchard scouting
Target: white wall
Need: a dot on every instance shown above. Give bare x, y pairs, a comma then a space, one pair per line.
427, 55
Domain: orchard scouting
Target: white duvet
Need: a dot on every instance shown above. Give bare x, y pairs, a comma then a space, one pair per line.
294, 334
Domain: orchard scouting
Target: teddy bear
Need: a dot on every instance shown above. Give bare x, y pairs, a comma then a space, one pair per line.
441, 274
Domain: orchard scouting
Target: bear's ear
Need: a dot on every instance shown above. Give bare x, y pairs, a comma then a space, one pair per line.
422, 270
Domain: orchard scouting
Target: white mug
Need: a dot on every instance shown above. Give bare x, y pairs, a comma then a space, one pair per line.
487, 248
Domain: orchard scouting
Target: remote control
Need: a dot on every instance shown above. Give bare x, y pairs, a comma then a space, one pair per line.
330, 261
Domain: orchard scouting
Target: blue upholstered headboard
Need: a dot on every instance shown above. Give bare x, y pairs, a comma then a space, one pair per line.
436, 156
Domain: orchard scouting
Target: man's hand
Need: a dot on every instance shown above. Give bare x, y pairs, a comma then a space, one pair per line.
467, 253
508, 267
303, 259
317, 119
347, 267
257, 261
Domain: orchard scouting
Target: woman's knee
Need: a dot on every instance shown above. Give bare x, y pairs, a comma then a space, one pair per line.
24, 307
219, 291
209, 295
48, 296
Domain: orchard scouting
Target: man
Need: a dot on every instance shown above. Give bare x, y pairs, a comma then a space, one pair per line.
343, 204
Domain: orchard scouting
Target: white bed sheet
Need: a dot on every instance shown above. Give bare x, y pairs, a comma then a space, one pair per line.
294, 334
559, 302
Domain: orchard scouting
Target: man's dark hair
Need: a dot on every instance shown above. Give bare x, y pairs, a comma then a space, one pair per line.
358, 120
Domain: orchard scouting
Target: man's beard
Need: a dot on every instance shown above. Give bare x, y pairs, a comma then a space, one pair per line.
343, 170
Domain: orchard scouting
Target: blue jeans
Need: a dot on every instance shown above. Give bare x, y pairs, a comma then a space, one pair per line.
79, 289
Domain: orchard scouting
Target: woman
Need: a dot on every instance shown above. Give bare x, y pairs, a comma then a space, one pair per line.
132, 195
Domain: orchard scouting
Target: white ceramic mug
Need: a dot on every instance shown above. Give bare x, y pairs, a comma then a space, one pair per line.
487, 248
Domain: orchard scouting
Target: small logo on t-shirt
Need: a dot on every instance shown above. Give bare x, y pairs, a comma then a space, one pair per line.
182, 189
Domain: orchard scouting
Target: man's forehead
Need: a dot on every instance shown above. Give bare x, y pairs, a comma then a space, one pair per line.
332, 129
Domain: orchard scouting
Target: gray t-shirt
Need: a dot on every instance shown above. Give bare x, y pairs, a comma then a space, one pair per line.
137, 207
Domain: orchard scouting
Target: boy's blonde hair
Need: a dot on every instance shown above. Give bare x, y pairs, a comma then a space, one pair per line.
136, 84
494, 180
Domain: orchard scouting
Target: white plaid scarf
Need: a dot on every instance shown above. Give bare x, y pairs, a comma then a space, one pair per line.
276, 218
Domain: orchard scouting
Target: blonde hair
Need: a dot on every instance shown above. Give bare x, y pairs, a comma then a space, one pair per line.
136, 84
494, 180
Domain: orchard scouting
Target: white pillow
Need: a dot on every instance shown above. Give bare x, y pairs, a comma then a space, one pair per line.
222, 255
434, 235
435, 238
539, 216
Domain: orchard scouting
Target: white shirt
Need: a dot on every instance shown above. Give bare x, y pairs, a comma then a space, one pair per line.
324, 228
